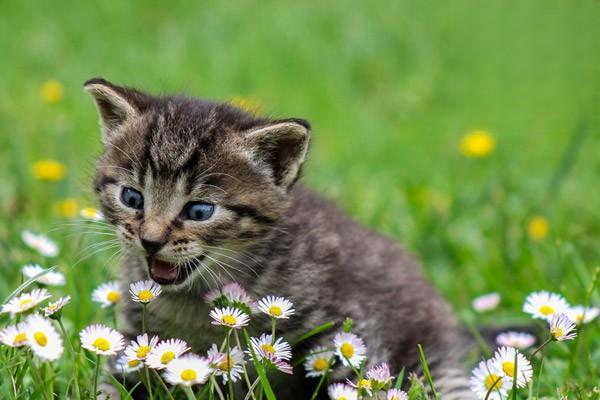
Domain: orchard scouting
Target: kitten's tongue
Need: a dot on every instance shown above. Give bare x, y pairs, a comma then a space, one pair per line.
162, 271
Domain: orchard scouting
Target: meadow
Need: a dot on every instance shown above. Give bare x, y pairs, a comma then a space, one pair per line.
394, 92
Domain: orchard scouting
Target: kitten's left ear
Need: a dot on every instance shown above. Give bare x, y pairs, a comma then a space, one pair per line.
115, 104
280, 147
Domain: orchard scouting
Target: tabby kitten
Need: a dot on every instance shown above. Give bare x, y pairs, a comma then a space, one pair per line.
202, 193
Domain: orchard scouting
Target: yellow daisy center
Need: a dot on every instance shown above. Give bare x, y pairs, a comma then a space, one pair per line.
320, 364
268, 348
557, 332
113, 296
167, 357
101, 344
364, 384
579, 318
226, 364
509, 368
342, 398
89, 212
275, 311
229, 319
40, 338
20, 338
546, 310
52, 308
145, 295
26, 301
347, 350
143, 351
493, 381
133, 363
188, 375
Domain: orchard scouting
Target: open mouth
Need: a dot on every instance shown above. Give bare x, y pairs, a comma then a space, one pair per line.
166, 273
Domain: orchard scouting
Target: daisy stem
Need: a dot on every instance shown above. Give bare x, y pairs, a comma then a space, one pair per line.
189, 393
539, 383
492, 387
73, 360
251, 389
229, 365
36, 374
114, 317
96, 373
148, 382
541, 346
162, 383
246, 377
143, 318
217, 388
316, 392
272, 330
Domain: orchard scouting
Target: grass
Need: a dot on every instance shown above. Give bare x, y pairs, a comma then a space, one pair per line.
390, 90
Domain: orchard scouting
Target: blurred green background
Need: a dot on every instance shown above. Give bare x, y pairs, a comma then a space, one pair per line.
391, 88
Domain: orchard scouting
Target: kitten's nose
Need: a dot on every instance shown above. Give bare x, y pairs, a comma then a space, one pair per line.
152, 246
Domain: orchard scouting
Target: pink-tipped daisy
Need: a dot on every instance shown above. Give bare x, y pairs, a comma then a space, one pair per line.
230, 317
519, 340
276, 307
562, 328
350, 349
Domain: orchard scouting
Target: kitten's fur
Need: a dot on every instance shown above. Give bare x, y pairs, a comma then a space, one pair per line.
268, 233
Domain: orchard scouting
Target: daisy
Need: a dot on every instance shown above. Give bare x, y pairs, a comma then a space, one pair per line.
363, 385
14, 335
396, 394
487, 302
232, 294
341, 391
43, 338
108, 294
50, 278
91, 213
276, 353
188, 370
380, 374
276, 307
40, 243
127, 365
505, 360
544, 304
583, 315
144, 291
102, 340
561, 328
227, 367
488, 375
519, 340
139, 348
54, 308
165, 352
230, 317
317, 362
350, 349
25, 301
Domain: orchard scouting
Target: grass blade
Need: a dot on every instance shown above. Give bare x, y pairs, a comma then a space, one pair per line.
426, 372
313, 332
264, 381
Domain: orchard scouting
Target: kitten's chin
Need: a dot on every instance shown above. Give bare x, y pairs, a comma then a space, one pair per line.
166, 273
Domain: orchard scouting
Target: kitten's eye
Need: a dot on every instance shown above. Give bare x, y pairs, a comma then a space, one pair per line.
199, 211
132, 198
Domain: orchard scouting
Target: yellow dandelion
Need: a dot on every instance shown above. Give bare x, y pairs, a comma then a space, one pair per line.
538, 228
52, 91
477, 144
66, 208
48, 170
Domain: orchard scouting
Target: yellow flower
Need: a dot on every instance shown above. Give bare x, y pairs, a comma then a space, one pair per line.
52, 91
538, 228
248, 104
477, 144
48, 170
66, 207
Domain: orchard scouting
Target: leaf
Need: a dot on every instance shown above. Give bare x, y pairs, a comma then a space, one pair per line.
26, 284
313, 332
264, 381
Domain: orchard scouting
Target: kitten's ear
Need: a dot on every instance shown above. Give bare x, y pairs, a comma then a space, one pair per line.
115, 104
280, 147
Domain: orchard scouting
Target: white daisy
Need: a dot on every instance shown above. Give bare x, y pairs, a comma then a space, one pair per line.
108, 294
583, 315
127, 365
230, 317
276, 307
341, 391
562, 328
25, 301
55, 307
165, 352
488, 375
188, 370
144, 291
350, 349
91, 213
42, 244
396, 394
380, 374
141, 347
101, 339
43, 338
363, 386
519, 340
544, 304
487, 302
51, 278
505, 360
316, 363
277, 352
14, 335
227, 367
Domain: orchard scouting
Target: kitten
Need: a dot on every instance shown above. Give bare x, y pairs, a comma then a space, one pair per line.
201, 192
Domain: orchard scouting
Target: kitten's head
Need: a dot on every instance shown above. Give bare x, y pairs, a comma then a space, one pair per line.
184, 180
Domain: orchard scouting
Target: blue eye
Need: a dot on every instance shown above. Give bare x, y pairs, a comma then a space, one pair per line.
132, 198
199, 211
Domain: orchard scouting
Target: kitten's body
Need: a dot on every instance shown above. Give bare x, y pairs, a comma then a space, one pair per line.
286, 240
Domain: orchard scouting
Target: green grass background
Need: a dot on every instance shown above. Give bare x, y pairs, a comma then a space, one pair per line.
390, 88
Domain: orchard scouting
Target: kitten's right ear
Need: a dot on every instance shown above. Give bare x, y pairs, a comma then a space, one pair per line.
115, 104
